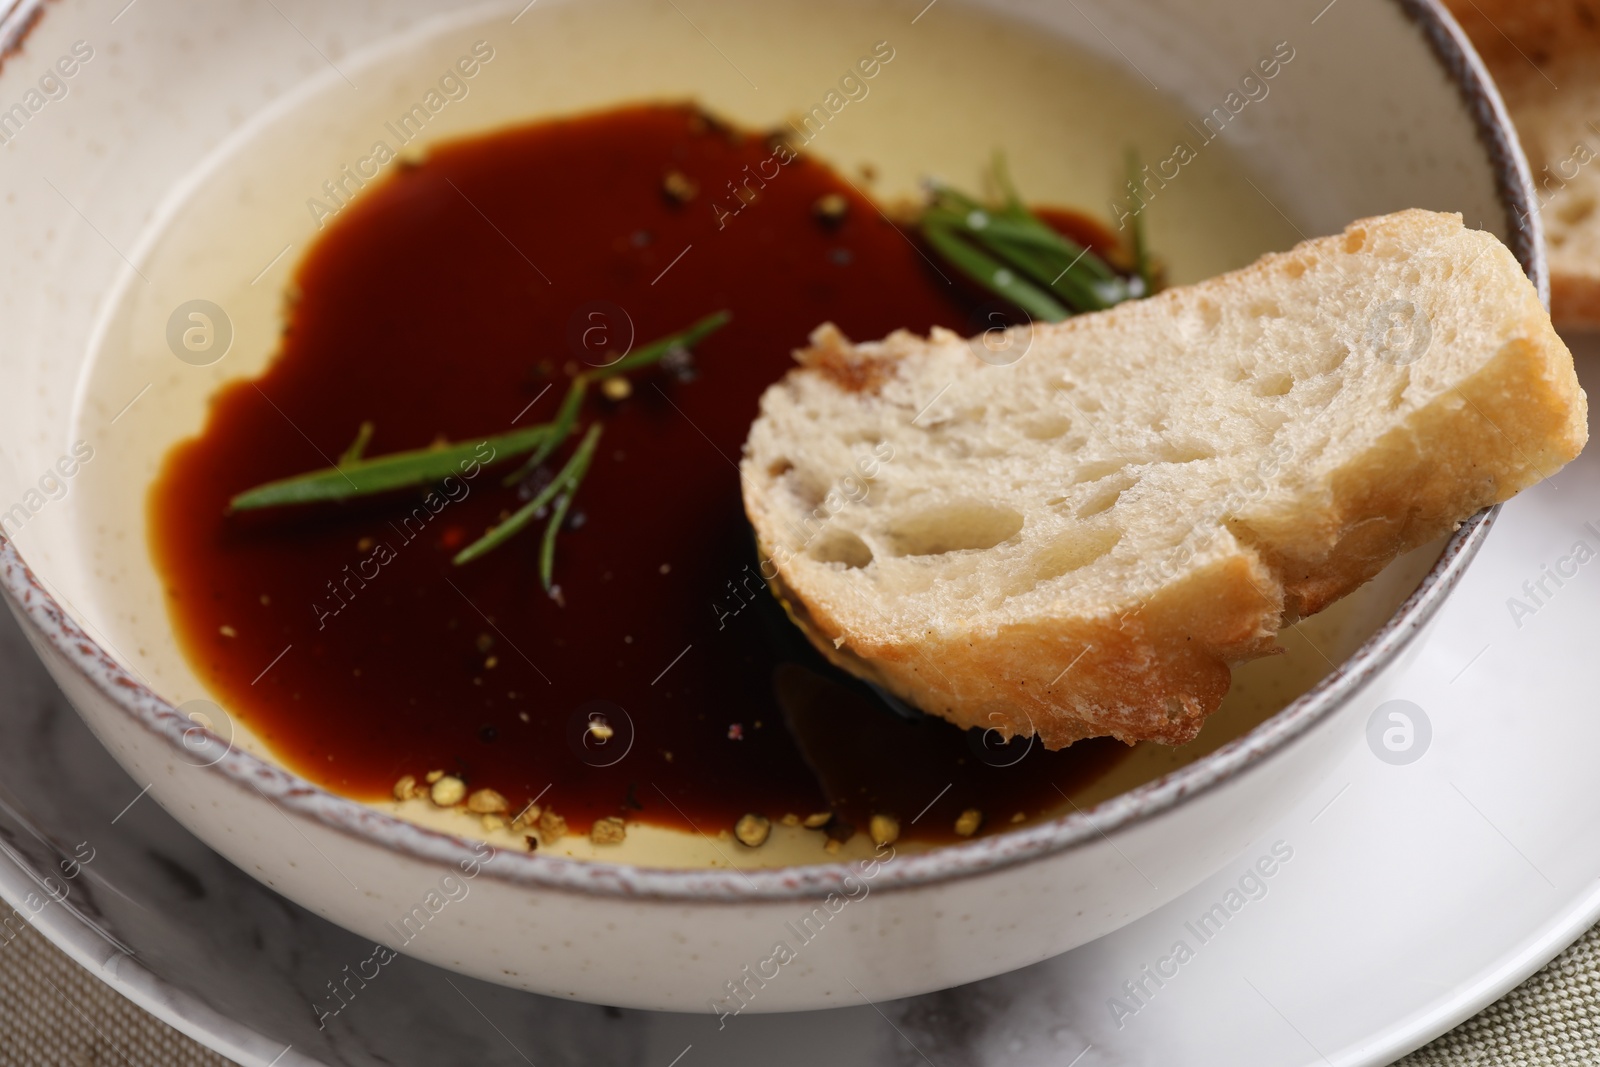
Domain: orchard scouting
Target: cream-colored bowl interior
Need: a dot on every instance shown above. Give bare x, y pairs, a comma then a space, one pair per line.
959, 87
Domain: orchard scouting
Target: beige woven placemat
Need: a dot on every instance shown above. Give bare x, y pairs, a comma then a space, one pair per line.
1551, 1020
54, 1013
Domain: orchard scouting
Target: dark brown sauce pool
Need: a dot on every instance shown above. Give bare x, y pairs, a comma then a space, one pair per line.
441, 303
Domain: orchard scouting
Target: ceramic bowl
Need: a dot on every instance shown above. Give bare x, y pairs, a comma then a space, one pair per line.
1382, 106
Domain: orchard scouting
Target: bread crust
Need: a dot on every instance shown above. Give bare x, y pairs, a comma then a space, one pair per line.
1155, 663
1448, 461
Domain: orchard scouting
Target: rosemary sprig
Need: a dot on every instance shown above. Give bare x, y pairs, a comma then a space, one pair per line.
566, 478
356, 476
1011, 252
397, 470
650, 354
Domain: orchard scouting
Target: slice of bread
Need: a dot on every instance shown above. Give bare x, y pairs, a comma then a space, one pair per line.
1080, 542
1545, 57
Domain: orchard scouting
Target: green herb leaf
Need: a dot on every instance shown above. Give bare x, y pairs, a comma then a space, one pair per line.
1052, 261
655, 350
1060, 273
983, 225
950, 197
358, 446
1082, 278
994, 275
579, 467
398, 470
566, 418
1141, 249
651, 353
1008, 191
1013, 253
513, 525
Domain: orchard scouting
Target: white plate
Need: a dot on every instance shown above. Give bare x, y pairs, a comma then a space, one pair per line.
1416, 893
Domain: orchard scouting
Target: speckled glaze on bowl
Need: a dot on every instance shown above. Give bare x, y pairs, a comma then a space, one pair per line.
1403, 115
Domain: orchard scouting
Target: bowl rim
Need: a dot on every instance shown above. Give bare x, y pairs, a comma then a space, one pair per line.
53, 629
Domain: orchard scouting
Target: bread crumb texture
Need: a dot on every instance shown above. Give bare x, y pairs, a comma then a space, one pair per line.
1081, 541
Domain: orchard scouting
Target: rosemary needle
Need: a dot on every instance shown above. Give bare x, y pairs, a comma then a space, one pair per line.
397, 470
504, 531
560, 430
994, 275
358, 447
651, 353
579, 467
655, 350
1141, 248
